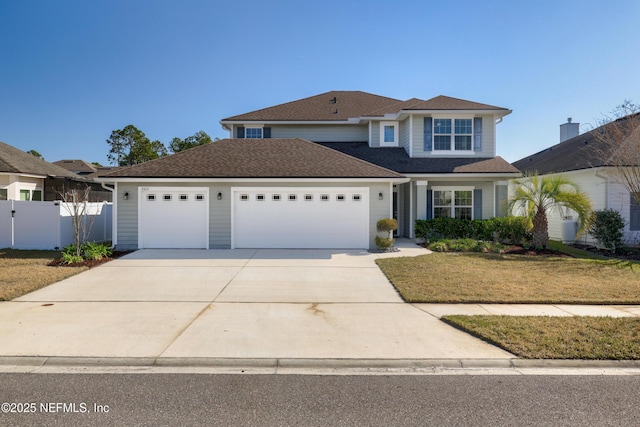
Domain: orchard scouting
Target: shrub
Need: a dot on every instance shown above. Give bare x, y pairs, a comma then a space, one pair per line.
510, 229
607, 227
384, 242
386, 225
96, 251
71, 258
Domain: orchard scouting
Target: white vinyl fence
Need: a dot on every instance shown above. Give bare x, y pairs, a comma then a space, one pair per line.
47, 225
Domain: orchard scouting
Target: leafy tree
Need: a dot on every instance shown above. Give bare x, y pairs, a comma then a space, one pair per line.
618, 135
200, 138
130, 146
535, 196
97, 164
36, 154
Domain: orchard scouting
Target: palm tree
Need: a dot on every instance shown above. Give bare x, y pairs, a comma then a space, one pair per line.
534, 196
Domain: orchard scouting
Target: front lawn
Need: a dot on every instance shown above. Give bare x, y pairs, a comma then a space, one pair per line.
592, 338
504, 278
22, 272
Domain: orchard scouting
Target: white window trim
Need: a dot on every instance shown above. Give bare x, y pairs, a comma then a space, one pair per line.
453, 118
396, 132
246, 128
453, 199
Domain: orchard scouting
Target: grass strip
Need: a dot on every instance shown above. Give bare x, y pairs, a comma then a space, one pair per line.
535, 337
504, 278
22, 272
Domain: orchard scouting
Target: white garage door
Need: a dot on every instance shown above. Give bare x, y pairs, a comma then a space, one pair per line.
173, 217
300, 217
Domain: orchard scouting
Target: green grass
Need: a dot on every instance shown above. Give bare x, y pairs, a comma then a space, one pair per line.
22, 272
503, 278
592, 338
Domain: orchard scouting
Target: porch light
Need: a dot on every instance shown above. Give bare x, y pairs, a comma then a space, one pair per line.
219, 196
380, 196
126, 195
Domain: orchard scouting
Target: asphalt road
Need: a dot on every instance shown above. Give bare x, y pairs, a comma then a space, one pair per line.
286, 400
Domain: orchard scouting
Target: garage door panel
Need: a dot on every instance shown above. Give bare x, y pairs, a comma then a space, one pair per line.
308, 221
173, 217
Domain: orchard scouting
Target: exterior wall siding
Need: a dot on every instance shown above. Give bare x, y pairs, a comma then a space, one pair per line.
375, 135
322, 133
127, 216
486, 187
488, 139
405, 134
220, 210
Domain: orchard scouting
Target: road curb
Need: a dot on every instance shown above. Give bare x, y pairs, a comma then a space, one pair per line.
292, 364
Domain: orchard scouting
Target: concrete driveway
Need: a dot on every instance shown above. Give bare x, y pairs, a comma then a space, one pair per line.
247, 304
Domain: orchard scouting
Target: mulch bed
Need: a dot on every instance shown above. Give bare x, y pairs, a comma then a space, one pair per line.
58, 262
519, 250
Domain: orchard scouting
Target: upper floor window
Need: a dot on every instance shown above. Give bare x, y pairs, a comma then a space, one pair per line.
388, 134
253, 133
453, 134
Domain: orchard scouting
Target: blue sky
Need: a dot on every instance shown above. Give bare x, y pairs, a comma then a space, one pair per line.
73, 71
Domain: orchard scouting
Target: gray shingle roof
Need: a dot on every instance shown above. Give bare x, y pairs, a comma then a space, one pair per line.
398, 160
581, 152
342, 105
13, 160
76, 166
256, 158
329, 106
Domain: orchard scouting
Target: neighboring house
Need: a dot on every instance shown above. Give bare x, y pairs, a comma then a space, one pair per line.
26, 177
585, 159
79, 167
318, 173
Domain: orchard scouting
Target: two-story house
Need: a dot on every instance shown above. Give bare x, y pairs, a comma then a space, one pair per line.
446, 146
318, 173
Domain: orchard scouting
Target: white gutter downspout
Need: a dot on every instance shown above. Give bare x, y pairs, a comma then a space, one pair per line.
114, 216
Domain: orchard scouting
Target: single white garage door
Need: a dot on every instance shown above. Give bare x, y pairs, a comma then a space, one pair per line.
294, 217
173, 217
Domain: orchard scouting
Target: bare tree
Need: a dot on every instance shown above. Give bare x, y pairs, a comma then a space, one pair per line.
76, 202
618, 137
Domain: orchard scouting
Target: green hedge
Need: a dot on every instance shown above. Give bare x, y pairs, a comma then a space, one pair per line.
509, 229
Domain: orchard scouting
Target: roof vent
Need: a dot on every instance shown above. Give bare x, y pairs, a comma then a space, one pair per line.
336, 111
334, 100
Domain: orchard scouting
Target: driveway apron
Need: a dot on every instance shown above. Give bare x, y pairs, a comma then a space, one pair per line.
243, 303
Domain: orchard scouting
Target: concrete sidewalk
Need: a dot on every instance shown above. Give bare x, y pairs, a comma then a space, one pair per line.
244, 309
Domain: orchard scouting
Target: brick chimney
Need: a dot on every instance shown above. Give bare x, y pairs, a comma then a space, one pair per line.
569, 130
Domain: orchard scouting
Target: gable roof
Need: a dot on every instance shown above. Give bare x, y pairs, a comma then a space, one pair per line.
77, 166
344, 105
584, 151
13, 160
329, 106
439, 103
256, 158
397, 159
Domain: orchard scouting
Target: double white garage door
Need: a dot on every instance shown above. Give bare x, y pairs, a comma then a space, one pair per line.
261, 217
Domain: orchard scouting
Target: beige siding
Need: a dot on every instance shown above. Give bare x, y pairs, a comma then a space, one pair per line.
378, 209
322, 133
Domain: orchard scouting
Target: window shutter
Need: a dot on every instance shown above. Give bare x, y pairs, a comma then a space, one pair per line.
634, 213
477, 204
428, 134
240, 132
266, 132
429, 204
477, 134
